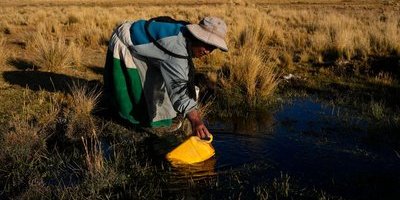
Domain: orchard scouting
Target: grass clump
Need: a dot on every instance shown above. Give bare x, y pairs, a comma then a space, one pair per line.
81, 125
83, 101
250, 77
51, 54
253, 76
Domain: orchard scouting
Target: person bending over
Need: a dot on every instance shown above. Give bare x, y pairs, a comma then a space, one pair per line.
149, 72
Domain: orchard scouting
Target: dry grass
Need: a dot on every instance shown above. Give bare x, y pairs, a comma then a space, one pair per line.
253, 74
178, 2
23, 141
3, 52
204, 109
278, 37
82, 103
51, 54
93, 154
329, 33
93, 35
335, 35
24, 144
76, 54
383, 78
251, 68
81, 125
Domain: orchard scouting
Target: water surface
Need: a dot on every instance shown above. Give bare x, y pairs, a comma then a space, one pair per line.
318, 146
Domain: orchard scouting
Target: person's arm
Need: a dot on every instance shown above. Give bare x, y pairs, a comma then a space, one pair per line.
198, 127
177, 69
175, 74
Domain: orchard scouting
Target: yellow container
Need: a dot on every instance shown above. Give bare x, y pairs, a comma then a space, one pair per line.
193, 150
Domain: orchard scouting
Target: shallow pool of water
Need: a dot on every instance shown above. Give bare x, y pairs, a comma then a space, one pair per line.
318, 146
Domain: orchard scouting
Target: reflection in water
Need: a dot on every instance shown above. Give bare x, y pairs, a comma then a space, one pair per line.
254, 124
196, 171
181, 175
260, 123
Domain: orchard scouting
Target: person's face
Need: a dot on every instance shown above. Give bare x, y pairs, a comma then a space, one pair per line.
202, 49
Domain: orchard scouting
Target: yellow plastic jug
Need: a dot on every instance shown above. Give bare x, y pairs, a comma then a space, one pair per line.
193, 150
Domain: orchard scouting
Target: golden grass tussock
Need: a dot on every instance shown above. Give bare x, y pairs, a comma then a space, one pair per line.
253, 74
258, 34
286, 60
385, 36
50, 106
175, 2
377, 110
51, 54
81, 125
251, 67
335, 35
345, 37
211, 62
82, 103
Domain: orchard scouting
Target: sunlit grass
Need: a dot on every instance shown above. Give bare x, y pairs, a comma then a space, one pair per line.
252, 72
3, 52
81, 125
76, 55
51, 54
252, 75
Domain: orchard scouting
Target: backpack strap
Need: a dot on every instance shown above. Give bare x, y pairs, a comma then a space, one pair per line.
189, 84
158, 45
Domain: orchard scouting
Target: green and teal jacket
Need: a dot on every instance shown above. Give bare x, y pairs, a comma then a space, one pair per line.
145, 85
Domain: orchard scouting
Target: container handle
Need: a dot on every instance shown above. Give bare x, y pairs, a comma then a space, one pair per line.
210, 139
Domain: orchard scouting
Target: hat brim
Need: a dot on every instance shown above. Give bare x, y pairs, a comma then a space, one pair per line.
207, 37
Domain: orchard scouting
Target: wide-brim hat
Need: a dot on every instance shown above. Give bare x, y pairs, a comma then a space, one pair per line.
210, 30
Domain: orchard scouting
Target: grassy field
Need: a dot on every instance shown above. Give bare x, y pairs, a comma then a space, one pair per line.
53, 126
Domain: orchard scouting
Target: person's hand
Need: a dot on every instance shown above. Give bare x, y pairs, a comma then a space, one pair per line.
198, 127
200, 130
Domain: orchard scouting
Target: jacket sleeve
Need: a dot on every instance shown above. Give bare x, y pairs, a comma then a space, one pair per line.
175, 74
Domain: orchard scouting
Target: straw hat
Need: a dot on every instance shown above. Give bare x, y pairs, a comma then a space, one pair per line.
211, 30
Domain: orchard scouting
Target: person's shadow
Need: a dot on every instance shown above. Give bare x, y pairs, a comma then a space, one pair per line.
27, 75
48, 81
